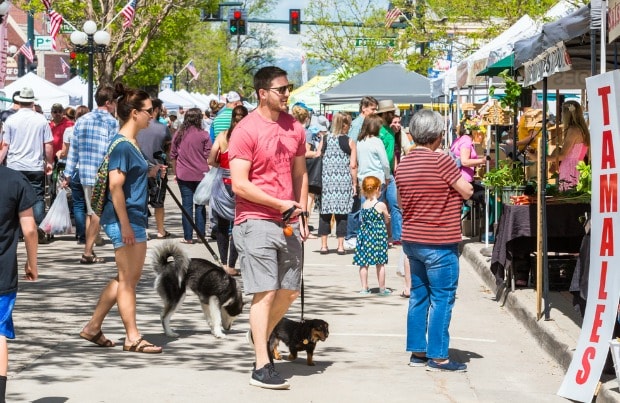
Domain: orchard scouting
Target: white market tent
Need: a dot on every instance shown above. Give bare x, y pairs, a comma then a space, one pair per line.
309, 92
78, 89
172, 100
46, 93
198, 103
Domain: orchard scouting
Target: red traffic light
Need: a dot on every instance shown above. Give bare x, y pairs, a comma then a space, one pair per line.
237, 14
294, 14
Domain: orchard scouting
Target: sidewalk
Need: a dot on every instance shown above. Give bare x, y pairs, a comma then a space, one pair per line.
558, 336
363, 360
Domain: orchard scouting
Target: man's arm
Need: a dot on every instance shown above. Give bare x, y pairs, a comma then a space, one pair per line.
31, 239
240, 176
4, 149
49, 158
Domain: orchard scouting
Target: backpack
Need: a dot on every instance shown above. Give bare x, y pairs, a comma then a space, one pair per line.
455, 158
100, 189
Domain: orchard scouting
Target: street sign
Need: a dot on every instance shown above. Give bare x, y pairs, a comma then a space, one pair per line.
376, 42
42, 42
66, 28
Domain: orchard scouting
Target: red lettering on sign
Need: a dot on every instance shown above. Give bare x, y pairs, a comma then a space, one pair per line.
583, 374
602, 286
608, 159
608, 201
604, 92
597, 323
607, 237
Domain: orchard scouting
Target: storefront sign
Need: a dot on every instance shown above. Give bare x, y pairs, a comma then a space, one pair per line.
553, 60
585, 369
613, 20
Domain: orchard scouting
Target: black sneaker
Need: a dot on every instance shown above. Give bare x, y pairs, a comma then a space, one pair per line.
450, 366
267, 377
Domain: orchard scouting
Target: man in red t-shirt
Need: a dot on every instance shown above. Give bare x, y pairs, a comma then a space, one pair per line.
268, 172
58, 124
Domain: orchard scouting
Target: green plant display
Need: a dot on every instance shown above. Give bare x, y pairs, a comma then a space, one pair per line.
584, 184
507, 174
512, 91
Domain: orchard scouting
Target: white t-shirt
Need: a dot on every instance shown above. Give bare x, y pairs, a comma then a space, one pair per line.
26, 133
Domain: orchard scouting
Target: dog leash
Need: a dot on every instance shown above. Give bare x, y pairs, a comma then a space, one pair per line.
303, 222
194, 226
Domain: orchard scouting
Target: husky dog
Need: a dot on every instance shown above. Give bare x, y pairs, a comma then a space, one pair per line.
219, 295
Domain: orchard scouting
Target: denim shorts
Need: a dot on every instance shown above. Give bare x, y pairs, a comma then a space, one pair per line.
7, 302
113, 231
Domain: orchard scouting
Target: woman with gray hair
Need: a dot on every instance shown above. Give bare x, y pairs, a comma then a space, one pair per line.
431, 191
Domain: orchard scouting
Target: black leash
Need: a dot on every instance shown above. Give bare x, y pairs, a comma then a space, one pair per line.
194, 226
303, 223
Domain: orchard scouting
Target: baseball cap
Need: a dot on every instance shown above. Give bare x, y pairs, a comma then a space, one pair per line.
232, 96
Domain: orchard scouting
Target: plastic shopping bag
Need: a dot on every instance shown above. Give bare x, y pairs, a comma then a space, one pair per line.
204, 189
400, 268
58, 218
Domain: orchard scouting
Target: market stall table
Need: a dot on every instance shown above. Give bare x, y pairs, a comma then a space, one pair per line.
516, 233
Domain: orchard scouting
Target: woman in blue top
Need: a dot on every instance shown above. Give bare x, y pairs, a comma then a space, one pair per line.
124, 220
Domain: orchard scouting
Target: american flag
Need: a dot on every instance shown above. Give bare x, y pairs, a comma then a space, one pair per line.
26, 50
64, 65
47, 4
391, 16
129, 11
192, 69
55, 24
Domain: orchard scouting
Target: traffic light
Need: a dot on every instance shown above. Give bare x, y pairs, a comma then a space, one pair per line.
236, 22
294, 21
73, 64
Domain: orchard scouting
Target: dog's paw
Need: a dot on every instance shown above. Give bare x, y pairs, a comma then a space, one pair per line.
170, 333
219, 335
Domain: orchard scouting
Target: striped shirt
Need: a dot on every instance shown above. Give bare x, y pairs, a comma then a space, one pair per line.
430, 205
91, 137
220, 123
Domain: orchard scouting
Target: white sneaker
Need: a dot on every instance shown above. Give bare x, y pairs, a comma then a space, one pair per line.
349, 244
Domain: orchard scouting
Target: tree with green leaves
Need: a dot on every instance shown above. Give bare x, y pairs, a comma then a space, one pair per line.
429, 30
165, 34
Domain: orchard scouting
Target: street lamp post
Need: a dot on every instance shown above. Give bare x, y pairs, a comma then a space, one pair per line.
90, 41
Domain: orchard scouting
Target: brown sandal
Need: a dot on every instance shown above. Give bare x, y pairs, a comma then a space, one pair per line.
96, 339
146, 348
91, 259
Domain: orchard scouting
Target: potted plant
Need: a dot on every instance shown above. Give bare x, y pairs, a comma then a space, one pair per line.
508, 178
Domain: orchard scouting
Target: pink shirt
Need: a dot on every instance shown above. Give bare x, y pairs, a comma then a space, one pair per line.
465, 141
271, 147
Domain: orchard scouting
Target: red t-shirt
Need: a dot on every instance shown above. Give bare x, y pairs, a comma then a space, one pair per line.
58, 130
430, 206
272, 148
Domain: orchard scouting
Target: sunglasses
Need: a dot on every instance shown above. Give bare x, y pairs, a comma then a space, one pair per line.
282, 90
149, 110
56, 111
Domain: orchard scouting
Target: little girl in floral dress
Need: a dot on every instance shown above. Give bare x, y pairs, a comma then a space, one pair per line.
372, 239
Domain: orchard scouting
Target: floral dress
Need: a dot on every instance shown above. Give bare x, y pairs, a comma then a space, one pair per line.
337, 192
372, 244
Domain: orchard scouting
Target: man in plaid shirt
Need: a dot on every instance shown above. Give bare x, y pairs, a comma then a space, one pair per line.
91, 138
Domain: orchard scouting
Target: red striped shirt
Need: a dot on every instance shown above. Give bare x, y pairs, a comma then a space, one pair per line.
431, 207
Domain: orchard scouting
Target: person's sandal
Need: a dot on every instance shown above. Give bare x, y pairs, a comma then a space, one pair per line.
324, 251
145, 347
91, 259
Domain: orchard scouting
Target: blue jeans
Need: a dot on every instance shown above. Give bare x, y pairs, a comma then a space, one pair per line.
188, 188
390, 197
79, 207
434, 278
37, 180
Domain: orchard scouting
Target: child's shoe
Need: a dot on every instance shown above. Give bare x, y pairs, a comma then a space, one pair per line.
385, 292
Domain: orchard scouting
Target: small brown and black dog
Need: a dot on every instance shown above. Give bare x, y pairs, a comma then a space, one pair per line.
298, 336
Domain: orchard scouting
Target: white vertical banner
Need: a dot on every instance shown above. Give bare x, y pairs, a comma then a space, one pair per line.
4, 47
304, 69
604, 281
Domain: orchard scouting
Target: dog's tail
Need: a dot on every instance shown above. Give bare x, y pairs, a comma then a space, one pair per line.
180, 260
